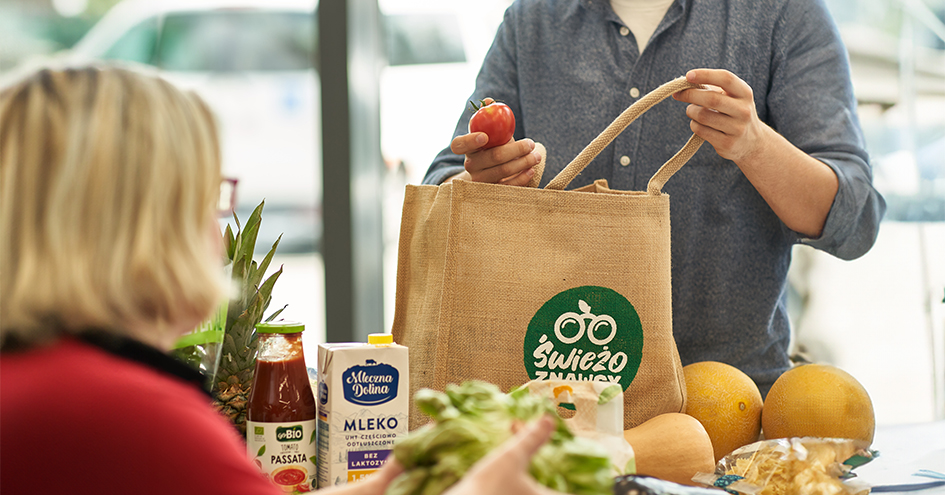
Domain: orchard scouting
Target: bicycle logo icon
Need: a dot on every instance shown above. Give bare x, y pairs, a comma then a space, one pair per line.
597, 323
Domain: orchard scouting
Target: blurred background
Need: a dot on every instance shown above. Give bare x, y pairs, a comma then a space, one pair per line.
256, 62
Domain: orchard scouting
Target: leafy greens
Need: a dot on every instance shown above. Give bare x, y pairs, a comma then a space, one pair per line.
475, 417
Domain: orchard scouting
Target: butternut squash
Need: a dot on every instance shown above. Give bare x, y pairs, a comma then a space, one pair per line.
673, 447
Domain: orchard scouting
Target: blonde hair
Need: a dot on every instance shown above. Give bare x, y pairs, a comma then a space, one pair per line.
109, 182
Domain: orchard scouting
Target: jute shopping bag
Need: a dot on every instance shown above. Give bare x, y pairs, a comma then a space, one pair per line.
509, 284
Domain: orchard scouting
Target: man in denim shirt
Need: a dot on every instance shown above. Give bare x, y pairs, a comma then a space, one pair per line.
786, 164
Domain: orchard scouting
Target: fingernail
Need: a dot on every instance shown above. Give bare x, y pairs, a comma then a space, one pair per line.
481, 139
531, 144
535, 157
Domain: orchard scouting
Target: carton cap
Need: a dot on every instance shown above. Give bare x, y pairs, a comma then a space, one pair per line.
380, 338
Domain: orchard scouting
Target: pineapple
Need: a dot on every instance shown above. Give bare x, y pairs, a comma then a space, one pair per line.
234, 375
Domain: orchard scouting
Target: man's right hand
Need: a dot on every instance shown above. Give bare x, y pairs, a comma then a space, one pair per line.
510, 163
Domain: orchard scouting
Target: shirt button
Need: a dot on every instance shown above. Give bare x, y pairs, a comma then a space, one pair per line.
634, 92
624, 30
625, 160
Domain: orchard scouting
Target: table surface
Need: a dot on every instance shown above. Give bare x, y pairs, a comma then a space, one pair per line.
904, 450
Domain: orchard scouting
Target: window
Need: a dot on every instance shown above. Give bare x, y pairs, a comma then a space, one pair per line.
137, 45
423, 39
237, 41
882, 317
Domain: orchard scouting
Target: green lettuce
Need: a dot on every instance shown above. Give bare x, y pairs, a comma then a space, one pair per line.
471, 419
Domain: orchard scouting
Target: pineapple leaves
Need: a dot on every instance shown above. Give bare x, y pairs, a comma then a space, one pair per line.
276, 313
257, 273
253, 313
248, 234
245, 245
248, 307
244, 310
229, 242
246, 375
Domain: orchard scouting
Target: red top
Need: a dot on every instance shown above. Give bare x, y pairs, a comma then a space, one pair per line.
77, 419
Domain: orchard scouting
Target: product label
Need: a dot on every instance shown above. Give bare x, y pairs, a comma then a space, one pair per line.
285, 452
363, 400
585, 333
371, 384
365, 462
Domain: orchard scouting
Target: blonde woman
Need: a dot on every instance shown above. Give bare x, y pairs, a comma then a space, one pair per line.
109, 251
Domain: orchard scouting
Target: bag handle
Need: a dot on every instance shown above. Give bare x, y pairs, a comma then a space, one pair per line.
655, 186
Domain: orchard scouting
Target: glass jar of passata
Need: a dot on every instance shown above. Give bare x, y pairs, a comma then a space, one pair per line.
280, 427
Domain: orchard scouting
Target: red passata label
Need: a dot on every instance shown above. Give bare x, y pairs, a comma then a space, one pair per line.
289, 477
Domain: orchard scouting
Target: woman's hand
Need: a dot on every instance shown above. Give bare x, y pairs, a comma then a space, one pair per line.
505, 470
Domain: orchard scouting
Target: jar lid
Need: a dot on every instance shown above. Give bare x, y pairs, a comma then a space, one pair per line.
380, 338
281, 326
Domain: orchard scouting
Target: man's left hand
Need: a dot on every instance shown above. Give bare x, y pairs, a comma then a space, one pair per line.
724, 114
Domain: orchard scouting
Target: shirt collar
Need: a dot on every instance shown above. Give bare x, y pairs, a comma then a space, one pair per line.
600, 6
144, 354
603, 7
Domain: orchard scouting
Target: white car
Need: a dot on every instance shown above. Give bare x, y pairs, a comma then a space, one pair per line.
253, 62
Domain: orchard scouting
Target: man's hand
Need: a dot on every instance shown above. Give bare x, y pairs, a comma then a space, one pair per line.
799, 188
724, 114
510, 163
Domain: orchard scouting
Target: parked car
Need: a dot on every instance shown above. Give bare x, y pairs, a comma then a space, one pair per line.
253, 62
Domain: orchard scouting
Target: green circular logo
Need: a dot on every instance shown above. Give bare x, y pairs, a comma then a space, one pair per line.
585, 333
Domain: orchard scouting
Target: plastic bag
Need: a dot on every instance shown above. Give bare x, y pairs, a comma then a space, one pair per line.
647, 485
595, 415
202, 348
809, 465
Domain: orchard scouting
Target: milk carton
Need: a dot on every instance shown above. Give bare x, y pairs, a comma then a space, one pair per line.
363, 400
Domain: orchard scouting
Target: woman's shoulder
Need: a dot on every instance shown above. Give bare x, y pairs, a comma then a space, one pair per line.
143, 423
90, 380
71, 382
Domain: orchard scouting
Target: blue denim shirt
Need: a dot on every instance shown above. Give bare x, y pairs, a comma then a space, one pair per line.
567, 71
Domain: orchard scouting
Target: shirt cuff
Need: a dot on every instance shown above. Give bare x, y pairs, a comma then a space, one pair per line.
842, 219
438, 176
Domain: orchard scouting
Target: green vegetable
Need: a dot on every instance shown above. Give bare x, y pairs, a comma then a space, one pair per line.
609, 393
475, 417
